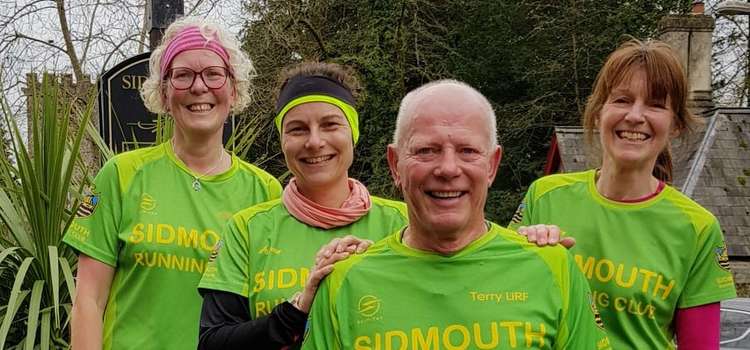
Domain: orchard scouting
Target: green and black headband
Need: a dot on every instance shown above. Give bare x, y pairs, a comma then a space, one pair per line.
317, 88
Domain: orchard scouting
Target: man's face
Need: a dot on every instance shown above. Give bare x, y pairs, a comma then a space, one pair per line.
444, 164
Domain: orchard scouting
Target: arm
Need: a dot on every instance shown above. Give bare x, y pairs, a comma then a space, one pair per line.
698, 327
225, 324
92, 291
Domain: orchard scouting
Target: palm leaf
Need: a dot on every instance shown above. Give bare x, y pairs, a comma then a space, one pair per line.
33, 320
44, 333
38, 199
14, 301
55, 279
68, 274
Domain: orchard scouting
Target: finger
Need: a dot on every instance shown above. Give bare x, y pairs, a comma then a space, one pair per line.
541, 235
332, 259
568, 242
523, 230
531, 234
363, 245
554, 234
317, 275
347, 242
328, 249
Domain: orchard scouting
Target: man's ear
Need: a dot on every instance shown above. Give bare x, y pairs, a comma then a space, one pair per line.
392, 155
495, 157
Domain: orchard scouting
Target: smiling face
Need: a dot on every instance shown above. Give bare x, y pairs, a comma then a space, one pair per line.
317, 144
444, 164
634, 127
199, 110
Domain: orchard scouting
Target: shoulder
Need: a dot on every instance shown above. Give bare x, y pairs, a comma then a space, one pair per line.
125, 166
253, 170
552, 255
136, 159
346, 267
256, 211
699, 216
555, 182
557, 262
397, 207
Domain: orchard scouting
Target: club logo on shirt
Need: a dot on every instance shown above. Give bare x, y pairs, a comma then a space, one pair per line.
722, 256
518, 215
215, 251
148, 203
88, 205
368, 306
595, 311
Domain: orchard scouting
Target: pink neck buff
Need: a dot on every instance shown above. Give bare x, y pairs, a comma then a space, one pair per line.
191, 38
314, 214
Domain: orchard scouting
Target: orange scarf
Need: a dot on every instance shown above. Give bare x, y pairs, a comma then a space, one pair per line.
354, 207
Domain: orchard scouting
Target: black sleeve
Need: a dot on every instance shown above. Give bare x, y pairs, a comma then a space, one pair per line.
226, 324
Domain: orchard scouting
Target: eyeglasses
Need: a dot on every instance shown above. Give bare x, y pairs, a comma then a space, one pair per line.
214, 77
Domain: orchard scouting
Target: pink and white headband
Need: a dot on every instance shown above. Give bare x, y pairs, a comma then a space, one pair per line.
191, 38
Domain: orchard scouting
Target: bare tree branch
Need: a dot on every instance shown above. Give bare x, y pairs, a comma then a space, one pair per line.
69, 49
43, 42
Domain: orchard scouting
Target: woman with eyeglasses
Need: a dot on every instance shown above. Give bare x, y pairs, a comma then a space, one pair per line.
148, 227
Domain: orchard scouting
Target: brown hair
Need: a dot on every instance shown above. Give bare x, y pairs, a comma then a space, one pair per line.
666, 81
343, 74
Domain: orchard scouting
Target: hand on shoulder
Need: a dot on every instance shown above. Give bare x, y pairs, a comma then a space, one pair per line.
544, 235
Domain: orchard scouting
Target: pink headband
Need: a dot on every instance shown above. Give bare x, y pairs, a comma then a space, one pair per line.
191, 39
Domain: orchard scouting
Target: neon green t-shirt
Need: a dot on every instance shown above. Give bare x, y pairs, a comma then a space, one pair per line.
643, 260
266, 253
499, 292
145, 219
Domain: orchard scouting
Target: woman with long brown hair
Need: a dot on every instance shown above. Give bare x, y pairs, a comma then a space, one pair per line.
656, 260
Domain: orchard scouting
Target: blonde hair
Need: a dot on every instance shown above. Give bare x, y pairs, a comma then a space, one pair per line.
240, 65
666, 81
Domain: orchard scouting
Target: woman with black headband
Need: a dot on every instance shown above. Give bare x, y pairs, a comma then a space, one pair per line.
258, 287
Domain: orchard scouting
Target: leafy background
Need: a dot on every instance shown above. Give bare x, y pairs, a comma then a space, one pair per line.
535, 60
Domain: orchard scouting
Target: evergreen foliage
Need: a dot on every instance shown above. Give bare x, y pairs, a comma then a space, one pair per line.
536, 61
37, 201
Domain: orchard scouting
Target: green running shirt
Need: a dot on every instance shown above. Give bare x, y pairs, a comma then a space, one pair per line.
266, 253
643, 260
499, 292
145, 219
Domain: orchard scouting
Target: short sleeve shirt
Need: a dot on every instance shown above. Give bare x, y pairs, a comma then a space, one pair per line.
145, 219
643, 260
499, 292
266, 253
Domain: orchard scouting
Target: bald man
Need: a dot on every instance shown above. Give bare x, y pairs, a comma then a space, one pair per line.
451, 279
